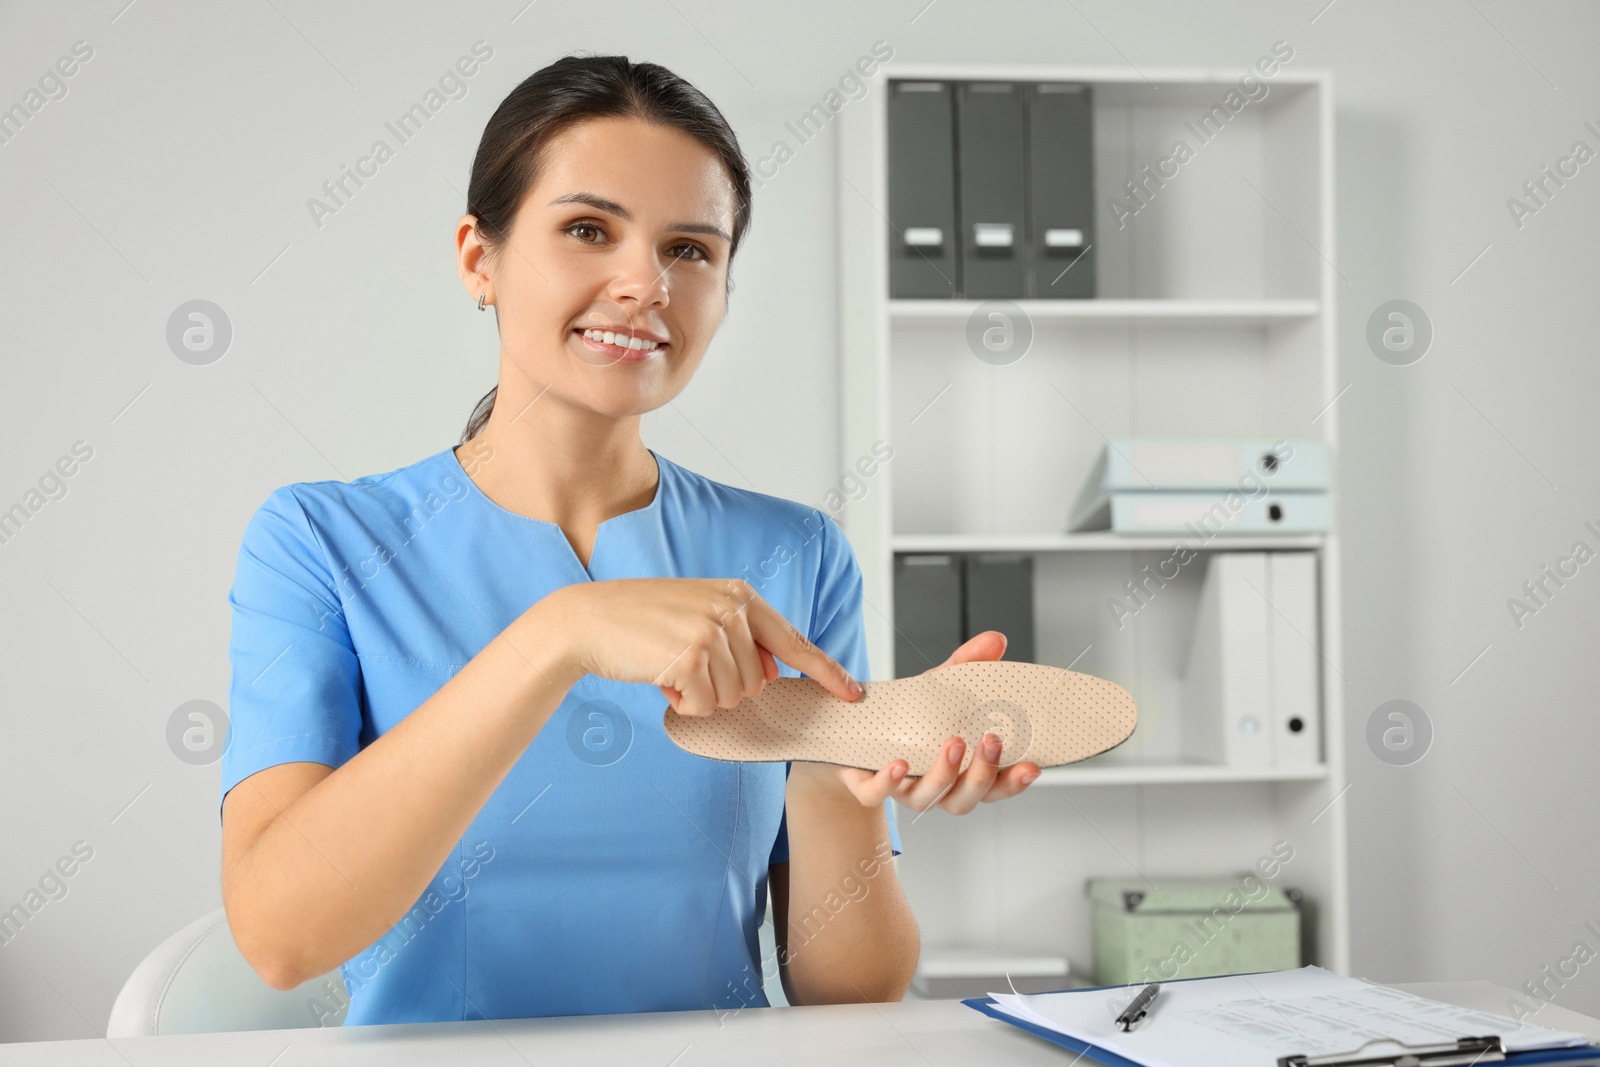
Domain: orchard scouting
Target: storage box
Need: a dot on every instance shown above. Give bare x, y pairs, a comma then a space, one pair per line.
1191, 928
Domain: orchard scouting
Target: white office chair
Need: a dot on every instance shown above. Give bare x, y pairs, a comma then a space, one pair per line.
196, 982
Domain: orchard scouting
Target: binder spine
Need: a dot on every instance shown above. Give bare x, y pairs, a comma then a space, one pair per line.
1293, 657
1226, 713
922, 190
1060, 191
991, 192
1206, 515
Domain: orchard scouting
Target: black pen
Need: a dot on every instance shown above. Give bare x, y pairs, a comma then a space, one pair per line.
1140, 1007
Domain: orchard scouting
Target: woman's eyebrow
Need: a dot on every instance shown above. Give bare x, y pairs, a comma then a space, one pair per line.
600, 203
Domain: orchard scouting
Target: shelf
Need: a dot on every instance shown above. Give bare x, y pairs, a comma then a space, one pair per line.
1095, 542
1174, 774
1216, 317
1176, 312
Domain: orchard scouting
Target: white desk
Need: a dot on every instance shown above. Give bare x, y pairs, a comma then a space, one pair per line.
914, 1033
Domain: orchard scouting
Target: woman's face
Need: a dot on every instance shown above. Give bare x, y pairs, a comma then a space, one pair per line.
626, 230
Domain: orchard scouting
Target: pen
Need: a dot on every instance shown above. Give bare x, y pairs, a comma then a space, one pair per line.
1140, 1007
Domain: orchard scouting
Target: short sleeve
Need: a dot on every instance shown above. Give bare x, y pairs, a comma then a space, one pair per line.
837, 627
295, 692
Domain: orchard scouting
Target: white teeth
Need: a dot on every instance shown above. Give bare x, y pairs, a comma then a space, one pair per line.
621, 340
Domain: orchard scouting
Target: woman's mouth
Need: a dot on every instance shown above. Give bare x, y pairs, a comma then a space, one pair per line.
620, 347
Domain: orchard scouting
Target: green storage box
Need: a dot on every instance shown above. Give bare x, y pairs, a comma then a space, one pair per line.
1191, 928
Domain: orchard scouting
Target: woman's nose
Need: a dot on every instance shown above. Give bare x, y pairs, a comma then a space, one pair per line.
644, 275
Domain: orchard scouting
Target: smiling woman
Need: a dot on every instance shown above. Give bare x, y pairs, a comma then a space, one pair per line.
582, 579
549, 133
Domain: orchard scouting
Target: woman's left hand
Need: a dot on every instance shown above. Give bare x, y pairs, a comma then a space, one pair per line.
956, 792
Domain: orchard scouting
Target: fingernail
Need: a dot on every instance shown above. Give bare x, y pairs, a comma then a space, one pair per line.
991, 749
897, 772
1028, 779
956, 752
854, 687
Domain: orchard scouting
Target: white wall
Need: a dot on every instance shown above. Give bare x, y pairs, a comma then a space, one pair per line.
178, 165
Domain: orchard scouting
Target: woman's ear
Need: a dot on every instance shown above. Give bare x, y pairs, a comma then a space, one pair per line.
472, 260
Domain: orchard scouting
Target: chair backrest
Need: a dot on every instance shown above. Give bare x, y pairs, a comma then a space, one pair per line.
196, 981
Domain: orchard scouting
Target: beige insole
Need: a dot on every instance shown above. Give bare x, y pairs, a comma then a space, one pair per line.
1041, 714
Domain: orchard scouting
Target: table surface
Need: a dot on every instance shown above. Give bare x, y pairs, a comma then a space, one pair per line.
926, 1033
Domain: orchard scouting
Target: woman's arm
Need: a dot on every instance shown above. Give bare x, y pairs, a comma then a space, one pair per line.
318, 863
844, 931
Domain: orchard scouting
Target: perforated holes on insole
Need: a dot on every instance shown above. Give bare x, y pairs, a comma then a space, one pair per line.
1056, 716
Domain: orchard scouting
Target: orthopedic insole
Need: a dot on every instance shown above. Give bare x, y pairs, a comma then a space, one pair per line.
1041, 714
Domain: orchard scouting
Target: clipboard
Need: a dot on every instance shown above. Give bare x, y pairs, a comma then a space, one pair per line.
1475, 1051
1071, 1044
1463, 1052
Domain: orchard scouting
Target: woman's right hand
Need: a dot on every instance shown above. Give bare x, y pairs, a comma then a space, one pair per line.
708, 643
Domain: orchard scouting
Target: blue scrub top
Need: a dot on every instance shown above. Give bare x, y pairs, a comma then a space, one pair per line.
610, 871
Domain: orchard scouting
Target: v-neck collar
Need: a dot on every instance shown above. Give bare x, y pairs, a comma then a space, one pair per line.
654, 507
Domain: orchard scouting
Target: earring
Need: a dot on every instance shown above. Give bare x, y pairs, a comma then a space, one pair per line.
480, 301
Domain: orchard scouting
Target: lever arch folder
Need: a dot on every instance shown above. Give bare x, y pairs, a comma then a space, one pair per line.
1250, 688
927, 611
999, 596
1208, 463
922, 192
992, 165
1061, 191
1290, 471
1208, 515
991, 190
1227, 714
1301, 1018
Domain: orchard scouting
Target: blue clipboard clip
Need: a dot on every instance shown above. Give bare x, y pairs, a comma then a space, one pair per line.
1462, 1052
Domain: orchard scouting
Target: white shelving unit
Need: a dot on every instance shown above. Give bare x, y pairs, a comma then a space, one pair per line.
1235, 312
1082, 542
1214, 318
1132, 772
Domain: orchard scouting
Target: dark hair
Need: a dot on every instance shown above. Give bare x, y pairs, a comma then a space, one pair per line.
566, 92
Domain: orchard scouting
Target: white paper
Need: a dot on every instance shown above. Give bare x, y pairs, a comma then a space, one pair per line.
1251, 1020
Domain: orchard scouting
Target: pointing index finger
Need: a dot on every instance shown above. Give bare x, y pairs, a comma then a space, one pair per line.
776, 633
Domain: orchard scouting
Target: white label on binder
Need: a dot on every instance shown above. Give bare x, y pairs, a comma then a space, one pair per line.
992, 234
924, 236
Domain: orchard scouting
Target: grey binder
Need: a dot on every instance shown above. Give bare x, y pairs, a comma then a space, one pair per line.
991, 155
927, 611
922, 197
1061, 191
999, 596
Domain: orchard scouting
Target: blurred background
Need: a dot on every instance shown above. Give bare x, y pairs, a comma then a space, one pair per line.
176, 162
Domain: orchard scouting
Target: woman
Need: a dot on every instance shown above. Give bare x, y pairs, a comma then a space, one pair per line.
446, 770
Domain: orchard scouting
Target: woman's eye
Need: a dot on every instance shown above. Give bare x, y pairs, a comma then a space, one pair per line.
684, 250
